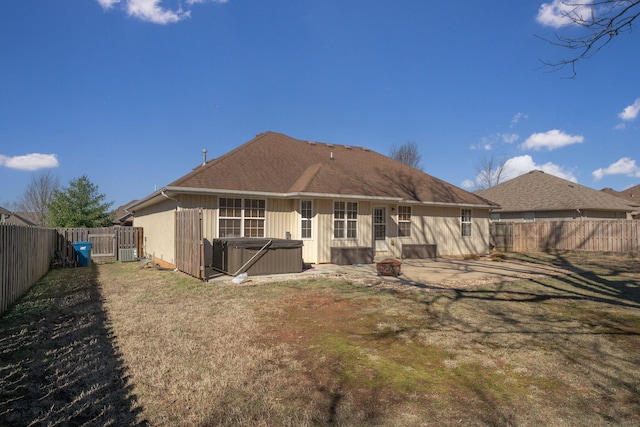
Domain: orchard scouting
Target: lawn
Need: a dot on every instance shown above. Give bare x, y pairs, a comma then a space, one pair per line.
118, 345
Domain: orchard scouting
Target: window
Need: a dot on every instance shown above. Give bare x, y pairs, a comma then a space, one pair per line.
379, 223
254, 212
404, 221
345, 220
306, 213
230, 214
465, 222
234, 221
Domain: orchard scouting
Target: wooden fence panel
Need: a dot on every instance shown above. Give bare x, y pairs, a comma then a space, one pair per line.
105, 241
26, 252
619, 236
25, 256
189, 247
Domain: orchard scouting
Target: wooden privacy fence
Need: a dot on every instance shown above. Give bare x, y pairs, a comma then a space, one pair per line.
189, 250
107, 243
25, 256
620, 236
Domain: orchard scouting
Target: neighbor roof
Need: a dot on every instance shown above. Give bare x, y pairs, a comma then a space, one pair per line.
539, 191
16, 218
274, 163
631, 195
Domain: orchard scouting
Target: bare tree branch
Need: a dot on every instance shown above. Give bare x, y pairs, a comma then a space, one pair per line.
489, 173
597, 23
37, 196
407, 154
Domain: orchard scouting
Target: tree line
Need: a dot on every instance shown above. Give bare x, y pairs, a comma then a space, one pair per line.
79, 204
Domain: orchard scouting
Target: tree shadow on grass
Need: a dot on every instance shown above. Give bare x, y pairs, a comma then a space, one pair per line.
59, 364
584, 324
613, 280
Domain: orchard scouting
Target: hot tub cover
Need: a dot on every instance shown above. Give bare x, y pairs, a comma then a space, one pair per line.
258, 243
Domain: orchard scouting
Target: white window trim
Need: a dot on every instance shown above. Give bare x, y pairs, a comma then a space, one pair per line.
242, 216
345, 220
410, 222
310, 219
462, 222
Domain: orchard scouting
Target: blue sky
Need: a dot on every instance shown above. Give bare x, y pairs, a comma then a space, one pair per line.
129, 92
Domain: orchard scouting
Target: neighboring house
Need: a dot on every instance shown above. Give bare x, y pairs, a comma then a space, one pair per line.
329, 196
631, 195
122, 216
8, 217
538, 196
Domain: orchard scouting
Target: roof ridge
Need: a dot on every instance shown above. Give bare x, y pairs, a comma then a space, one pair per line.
305, 179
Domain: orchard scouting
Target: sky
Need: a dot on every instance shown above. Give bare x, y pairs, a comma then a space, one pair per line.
129, 92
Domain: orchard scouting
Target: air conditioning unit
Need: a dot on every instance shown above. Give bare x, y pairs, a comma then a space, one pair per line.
125, 255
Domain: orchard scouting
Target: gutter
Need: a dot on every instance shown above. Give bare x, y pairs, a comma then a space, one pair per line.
299, 195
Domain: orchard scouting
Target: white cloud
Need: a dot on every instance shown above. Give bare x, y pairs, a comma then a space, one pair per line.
510, 138
30, 162
550, 140
517, 118
468, 184
108, 4
624, 166
488, 142
631, 112
520, 165
560, 13
154, 10
206, 1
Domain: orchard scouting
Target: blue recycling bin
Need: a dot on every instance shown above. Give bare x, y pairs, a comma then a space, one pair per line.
83, 253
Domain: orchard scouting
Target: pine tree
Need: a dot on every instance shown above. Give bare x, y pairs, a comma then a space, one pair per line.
79, 205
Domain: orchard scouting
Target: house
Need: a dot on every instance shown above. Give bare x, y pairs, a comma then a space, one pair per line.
538, 196
122, 216
8, 217
631, 195
331, 197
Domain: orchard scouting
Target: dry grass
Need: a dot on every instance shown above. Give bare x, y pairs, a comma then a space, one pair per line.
116, 345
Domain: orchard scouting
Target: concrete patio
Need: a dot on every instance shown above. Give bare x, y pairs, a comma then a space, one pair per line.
441, 271
423, 272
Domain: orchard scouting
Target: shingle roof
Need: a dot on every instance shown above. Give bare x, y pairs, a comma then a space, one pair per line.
21, 218
539, 191
276, 163
631, 195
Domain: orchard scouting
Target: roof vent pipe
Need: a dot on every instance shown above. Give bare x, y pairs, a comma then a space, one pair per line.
331, 156
204, 156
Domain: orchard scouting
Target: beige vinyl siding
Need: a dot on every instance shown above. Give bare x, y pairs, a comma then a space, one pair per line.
365, 224
429, 225
309, 246
282, 218
323, 229
158, 223
441, 226
595, 214
365, 233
